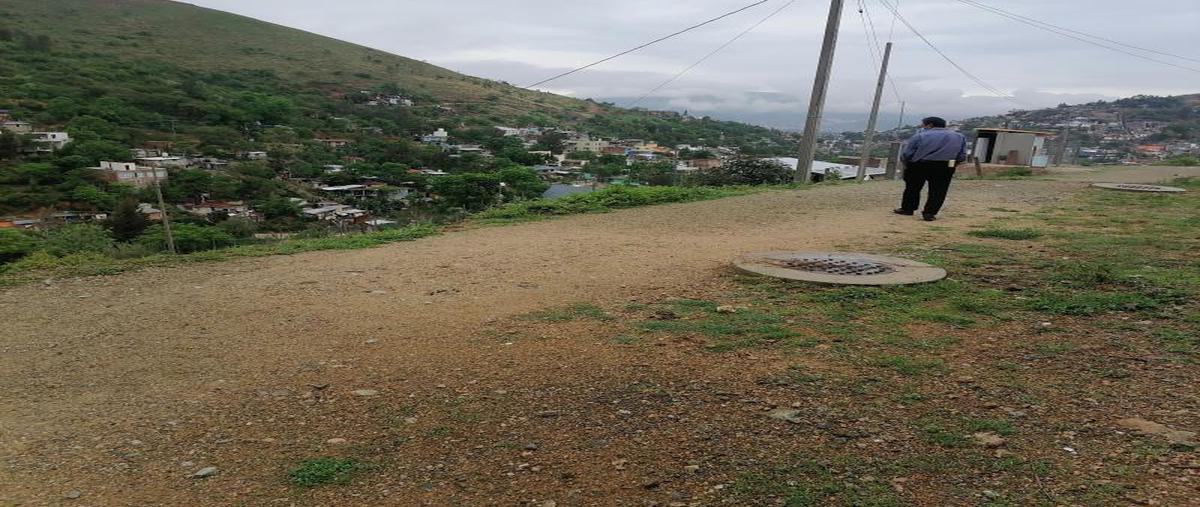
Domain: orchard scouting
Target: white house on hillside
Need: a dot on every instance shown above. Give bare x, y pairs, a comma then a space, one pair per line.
132, 174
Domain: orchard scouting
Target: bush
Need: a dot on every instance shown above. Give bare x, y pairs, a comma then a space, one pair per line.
15, 244
1183, 160
188, 238
78, 238
238, 227
745, 171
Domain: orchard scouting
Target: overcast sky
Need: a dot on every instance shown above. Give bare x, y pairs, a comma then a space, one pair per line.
766, 76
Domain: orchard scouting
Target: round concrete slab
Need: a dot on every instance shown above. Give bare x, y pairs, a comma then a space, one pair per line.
839, 268
1137, 187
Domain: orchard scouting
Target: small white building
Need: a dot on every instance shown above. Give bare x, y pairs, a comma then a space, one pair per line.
1011, 146
256, 155
49, 142
440, 137
132, 174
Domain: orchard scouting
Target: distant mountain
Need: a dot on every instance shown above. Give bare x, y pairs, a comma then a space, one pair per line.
145, 66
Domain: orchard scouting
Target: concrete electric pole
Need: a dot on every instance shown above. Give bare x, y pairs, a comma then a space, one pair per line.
808, 145
869, 136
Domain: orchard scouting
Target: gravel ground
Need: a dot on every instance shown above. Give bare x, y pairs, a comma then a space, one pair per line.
118, 389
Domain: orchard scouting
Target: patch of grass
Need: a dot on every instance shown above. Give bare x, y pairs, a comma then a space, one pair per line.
744, 328
1009, 234
1087, 303
577, 311
323, 471
908, 366
1053, 348
810, 483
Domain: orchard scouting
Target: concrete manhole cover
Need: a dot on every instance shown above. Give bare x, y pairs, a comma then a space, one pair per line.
1133, 187
839, 268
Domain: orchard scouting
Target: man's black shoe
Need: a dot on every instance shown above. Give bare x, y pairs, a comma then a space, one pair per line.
902, 212
929, 218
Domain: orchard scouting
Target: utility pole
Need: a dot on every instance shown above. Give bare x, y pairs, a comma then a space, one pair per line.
162, 208
1062, 150
903, 105
869, 136
808, 145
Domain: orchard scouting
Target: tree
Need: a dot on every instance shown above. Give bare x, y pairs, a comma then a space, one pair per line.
604, 172
78, 238
653, 173
238, 227
746, 171
10, 145
188, 184
277, 207
470, 191
16, 243
96, 198
523, 182
126, 222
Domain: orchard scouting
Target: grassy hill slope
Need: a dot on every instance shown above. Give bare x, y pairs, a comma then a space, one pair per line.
169, 61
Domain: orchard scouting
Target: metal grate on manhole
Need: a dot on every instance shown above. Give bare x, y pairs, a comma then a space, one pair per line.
843, 268
834, 266
1134, 187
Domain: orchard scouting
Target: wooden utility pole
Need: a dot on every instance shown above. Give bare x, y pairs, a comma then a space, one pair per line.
812, 128
903, 105
869, 136
162, 208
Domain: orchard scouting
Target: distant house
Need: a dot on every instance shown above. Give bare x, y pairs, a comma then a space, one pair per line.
333, 143
49, 142
165, 160
17, 127
132, 174
334, 168
704, 164
1011, 146
822, 170
587, 145
438, 137
434, 172
227, 208
256, 155
150, 211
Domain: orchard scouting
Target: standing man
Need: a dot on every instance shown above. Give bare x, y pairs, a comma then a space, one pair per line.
930, 157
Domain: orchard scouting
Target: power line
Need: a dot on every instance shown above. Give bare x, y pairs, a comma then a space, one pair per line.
872, 45
1082, 37
865, 12
648, 44
711, 54
892, 30
995, 91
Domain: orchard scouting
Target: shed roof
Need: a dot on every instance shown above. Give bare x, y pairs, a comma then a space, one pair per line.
1016, 131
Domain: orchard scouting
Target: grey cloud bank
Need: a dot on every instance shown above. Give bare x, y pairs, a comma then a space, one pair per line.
766, 76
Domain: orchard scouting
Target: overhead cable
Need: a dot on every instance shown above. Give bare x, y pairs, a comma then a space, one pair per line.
711, 54
648, 44
1086, 38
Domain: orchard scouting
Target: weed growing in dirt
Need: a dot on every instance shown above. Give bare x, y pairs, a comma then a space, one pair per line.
609, 199
323, 471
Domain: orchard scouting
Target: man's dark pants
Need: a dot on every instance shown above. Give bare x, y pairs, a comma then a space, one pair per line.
937, 174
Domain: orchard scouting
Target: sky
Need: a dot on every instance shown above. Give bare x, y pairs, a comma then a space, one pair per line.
766, 76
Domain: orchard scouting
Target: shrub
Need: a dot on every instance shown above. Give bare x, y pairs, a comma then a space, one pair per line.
188, 238
745, 171
15, 244
238, 227
78, 238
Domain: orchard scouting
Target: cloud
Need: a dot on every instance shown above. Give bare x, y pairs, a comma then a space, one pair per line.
767, 75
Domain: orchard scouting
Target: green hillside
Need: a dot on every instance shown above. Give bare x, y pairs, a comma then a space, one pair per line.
140, 64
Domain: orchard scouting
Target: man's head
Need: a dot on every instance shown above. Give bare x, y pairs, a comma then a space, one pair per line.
933, 122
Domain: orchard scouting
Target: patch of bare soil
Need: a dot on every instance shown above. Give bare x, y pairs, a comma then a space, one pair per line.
424, 362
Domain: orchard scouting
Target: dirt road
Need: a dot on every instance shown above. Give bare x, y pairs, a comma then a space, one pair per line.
117, 389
